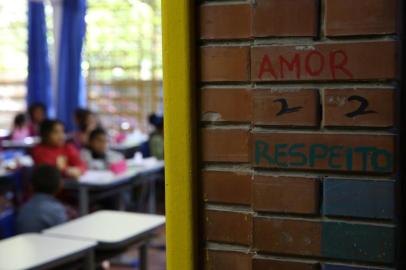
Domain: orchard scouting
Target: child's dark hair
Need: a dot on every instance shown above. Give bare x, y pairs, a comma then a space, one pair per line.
156, 120
46, 179
19, 120
97, 132
47, 127
36, 106
81, 116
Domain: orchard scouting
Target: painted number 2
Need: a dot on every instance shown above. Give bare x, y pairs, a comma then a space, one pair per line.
362, 109
285, 107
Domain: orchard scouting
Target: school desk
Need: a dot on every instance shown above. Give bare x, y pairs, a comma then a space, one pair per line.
112, 230
5, 175
128, 151
130, 145
25, 144
38, 251
8, 201
7, 212
97, 185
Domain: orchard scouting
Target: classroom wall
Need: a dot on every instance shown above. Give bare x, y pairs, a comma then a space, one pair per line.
298, 124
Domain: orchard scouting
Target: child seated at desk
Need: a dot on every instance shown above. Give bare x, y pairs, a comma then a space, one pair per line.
97, 155
43, 210
20, 129
54, 151
38, 114
86, 121
156, 138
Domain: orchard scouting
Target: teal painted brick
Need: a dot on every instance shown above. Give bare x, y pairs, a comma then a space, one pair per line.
344, 267
358, 198
358, 242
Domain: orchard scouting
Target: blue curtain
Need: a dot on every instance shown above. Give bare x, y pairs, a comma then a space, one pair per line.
71, 92
39, 78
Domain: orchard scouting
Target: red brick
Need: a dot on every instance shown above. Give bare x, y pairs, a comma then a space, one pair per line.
345, 61
226, 105
228, 227
222, 64
284, 236
342, 107
227, 187
297, 107
285, 194
272, 264
285, 18
225, 145
227, 260
361, 17
230, 21
325, 152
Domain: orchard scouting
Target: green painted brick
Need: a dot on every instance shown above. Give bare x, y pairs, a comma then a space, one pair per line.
358, 242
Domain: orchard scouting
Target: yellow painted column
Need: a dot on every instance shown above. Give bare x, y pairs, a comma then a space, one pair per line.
178, 85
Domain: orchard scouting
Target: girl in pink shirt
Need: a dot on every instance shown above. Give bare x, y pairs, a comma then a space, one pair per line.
20, 129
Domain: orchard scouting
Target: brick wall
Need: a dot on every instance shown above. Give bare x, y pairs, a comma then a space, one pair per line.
299, 148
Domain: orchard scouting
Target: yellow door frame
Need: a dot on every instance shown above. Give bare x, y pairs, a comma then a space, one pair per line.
180, 167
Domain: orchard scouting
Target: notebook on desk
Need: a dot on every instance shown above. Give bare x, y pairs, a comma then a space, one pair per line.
97, 177
102, 177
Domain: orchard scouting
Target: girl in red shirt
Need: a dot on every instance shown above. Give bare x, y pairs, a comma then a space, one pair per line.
54, 151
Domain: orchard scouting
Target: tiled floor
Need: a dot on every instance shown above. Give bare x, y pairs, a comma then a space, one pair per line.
156, 254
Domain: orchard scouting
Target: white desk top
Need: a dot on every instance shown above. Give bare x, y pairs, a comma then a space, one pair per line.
28, 251
105, 178
124, 146
109, 227
146, 164
101, 178
4, 174
26, 143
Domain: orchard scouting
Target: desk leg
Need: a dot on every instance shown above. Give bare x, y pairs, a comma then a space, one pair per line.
143, 256
152, 198
122, 200
83, 201
89, 261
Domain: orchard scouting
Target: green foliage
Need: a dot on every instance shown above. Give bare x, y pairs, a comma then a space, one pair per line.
122, 35
124, 40
13, 42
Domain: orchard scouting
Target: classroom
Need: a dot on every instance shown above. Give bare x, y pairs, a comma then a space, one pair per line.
81, 145
202, 135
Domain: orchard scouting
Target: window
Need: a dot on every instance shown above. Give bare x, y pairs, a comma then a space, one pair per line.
14, 59
123, 62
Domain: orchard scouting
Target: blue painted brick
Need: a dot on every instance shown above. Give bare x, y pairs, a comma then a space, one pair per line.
358, 242
359, 198
344, 267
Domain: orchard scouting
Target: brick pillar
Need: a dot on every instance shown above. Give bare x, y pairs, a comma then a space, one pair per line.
299, 136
